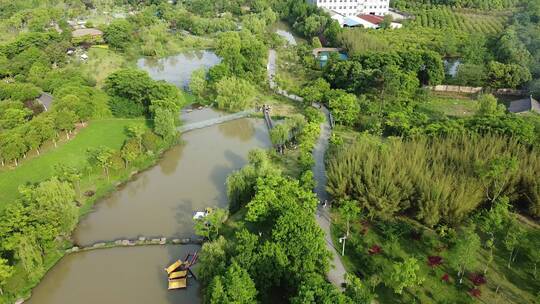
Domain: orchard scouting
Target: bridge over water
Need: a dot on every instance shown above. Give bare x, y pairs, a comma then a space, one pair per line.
214, 121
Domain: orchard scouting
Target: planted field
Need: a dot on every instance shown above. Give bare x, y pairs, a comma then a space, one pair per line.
447, 18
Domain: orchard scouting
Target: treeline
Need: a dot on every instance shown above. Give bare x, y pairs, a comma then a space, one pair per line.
281, 255
523, 35
476, 4
308, 20
406, 70
436, 180
33, 227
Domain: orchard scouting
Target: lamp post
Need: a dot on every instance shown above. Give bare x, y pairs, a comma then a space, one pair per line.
342, 241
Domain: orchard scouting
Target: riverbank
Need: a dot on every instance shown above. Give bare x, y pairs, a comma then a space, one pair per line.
96, 187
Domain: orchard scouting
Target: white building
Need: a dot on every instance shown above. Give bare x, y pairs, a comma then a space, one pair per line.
355, 7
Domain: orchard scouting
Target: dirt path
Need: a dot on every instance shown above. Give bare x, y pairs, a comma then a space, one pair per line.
337, 272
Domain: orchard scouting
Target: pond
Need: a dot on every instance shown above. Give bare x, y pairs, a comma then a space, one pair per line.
284, 30
160, 201
451, 66
177, 69
324, 56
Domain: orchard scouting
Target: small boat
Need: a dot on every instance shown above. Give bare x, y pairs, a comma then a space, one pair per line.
202, 214
178, 283
173, 266
177, 274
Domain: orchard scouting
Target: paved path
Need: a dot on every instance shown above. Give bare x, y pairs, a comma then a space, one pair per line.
214, 121
336, 275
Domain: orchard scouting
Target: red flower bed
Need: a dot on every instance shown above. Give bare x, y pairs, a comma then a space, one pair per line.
375, 249
445, 277
434, 260
477, 279
475, 292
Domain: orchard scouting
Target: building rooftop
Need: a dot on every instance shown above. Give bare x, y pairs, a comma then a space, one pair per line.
372, 19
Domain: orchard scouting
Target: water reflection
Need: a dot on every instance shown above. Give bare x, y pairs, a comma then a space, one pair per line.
161, 200
120, 275
177, 69
285, 31
242, 129
168, 164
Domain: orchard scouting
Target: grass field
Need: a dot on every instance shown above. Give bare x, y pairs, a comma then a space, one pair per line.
102, 62
449, 106
110, 133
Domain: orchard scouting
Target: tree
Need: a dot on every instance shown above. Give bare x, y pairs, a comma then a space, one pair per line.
164, 123
213, 259
512, 239
13, 147
239, 287
65, 121
495, 175
314, 289
102, 157
349, 210
119, 34
210, 225
12, 118
345, 108
471, 75
130, 151
316, 42
405, 274
387, 22
6, 271
279, 135
316, 91
29, 253
198, 83
488, 106
234, 94
72, 175
462, 255
136, 131
502, 75
132, 90
358, 291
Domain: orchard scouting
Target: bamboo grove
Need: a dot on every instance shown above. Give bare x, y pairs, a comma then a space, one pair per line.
435, 180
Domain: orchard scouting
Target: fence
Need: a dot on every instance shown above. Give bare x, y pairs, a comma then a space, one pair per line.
476, 90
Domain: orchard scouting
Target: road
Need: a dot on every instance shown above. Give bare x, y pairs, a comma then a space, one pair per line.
337, 272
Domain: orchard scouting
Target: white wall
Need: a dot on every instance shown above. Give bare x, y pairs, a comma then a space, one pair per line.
355, 7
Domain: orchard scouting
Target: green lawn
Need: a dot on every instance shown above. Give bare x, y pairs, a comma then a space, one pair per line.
104, 132
449, 106
102, 62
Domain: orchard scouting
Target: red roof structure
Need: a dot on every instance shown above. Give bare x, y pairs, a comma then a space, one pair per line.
372, 19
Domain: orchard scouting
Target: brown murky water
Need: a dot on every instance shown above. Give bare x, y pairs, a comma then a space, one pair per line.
158, 202
133, 275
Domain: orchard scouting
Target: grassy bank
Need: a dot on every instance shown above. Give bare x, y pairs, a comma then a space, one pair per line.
110, 133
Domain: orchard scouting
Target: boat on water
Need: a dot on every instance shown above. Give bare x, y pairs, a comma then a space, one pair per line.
177, 272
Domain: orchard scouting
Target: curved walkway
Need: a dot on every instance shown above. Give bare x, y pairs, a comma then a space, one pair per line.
336, 275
